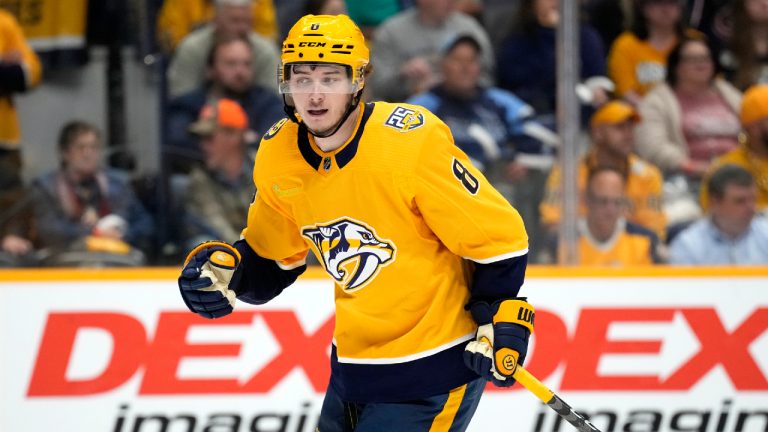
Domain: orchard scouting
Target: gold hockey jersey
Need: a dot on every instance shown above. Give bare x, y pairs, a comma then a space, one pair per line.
393, 215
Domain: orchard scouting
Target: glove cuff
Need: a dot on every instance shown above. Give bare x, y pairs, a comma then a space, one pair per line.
230, 258
514, 310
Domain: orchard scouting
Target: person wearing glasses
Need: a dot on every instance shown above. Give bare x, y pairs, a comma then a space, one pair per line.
612, 134
606, 238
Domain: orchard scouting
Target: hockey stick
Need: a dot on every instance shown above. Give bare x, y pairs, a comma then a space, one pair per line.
552, 400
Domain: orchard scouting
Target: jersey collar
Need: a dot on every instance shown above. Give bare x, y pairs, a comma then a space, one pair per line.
343, 155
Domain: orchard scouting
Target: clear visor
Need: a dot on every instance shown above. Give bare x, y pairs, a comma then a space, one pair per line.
306, 78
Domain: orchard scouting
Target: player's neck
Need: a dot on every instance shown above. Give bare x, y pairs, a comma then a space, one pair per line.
331, 143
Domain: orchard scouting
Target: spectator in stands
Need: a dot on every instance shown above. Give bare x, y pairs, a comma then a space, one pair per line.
612, 128
752, 152
229, 75
84, 206
187, 70
219, 192
19, 71
488, 123
746, 59
731, 233
485, 121
606, 238
690, 119
526, 59
177, 18
638, 57
406, 48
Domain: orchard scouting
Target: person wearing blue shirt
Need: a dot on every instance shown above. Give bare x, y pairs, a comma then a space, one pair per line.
484, 121
733, 233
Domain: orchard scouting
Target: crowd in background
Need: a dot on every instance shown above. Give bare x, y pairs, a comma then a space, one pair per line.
673, 106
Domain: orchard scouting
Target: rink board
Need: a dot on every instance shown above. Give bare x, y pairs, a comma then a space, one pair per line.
638, 350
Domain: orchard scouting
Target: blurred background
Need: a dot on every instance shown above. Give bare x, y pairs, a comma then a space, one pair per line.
102, 164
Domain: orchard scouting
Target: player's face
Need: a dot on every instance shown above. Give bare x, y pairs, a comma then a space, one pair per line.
83, 156
231, 67
321, 94
461, 69
617, 139
734, 211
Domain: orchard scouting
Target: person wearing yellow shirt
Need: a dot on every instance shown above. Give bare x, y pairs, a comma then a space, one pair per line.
611, 128
426, 256
752, 152
606, 238
177, 18
638, 57
20, 70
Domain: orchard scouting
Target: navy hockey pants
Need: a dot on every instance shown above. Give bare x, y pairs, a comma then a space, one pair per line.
448, 412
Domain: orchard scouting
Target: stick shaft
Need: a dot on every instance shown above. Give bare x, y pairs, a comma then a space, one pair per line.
553, 400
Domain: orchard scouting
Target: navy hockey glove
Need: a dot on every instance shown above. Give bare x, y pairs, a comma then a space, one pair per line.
502, 339
205, 278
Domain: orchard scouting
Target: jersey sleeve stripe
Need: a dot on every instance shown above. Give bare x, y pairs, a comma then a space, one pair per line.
291, 266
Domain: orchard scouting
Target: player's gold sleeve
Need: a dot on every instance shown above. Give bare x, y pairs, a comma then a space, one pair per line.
461, 207
274, 235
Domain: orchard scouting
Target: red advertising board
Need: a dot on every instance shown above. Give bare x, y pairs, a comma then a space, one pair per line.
634, 350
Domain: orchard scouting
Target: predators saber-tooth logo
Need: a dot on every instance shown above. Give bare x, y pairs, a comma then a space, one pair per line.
352, 253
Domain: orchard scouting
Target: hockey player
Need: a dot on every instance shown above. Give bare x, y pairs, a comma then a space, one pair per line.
426, 256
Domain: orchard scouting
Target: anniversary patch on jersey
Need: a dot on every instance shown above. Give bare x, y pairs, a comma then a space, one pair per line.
352, 252
405, 119
275, 128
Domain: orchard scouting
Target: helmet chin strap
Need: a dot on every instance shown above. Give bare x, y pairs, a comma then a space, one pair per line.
351, 106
